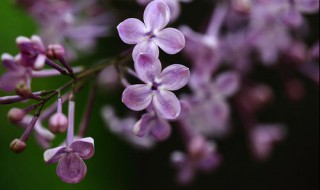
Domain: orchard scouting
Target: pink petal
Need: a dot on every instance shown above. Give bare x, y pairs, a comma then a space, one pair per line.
84, 147
161, 129
147, 46
174, 77
137, 97
156, 15
71, 168
227, 83
131, 31
148, 67
53, 155
170, 40
166, 104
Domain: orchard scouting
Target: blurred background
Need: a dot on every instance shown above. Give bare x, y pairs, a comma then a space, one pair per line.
294, 164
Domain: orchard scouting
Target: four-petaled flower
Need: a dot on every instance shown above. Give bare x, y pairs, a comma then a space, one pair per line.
158, 86
71, 168
151, 34
16, 74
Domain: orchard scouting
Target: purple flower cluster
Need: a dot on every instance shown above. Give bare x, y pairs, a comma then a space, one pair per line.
155, 95
222, 54
69, 23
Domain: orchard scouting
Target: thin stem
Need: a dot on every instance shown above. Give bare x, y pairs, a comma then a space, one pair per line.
59, 103
50, 110
26, 134
67, 66
52, 72
56, 66
87, 115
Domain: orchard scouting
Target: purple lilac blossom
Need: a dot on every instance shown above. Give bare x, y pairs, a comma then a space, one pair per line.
264, 138
123, 127
71, 168
152, 125
210, 113
16, 73
78, 27
149, 35
157, 88
202, 156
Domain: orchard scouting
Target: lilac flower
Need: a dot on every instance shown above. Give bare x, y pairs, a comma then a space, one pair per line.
268, 34
174, 6
32, 52
202, 156
292, 9
16, 74
264, 138
152, 125
71, 168
124, 127
151, 34
210, 111
157, 88
204, 49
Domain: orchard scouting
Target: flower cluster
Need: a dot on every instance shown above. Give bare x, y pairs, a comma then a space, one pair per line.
201, 104
155, 95
69, 23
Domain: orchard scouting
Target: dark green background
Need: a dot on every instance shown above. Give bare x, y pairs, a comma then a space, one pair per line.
116, 166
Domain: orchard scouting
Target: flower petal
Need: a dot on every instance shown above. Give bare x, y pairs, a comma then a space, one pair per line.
227, 83
53, 155
147, 46
156, 15
166, 104
142, 127
137, 97
170, 40
84, 147
10, 80
131, 31
307, 6
71, 168
161, 129
148, 67
174, 77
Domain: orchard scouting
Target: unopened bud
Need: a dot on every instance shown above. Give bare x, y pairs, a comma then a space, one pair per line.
58, 123
242, 6
17, 146
197, 147
55, 51
16, 115
23, 90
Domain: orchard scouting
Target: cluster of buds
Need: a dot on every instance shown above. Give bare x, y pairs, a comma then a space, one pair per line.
28, 64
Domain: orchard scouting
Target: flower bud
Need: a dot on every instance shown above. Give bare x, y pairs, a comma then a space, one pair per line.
197, 147
58, 123
17, 146
55, 51
23, 90
16, 115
